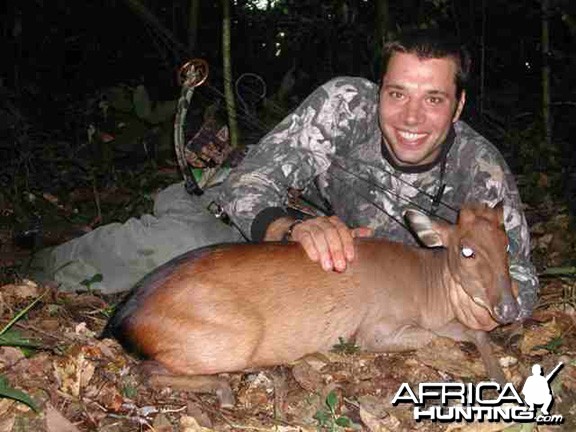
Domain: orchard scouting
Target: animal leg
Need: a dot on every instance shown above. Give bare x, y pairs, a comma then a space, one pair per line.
381, 338
158, 376
457, 331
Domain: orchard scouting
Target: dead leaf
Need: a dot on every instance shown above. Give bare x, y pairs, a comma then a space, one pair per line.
5, 405
196, 411
258, 393
83, 330
536, 338
189, 424
74, 372
162, 424
374, 415
477, 427
110, 397
308, 378
27, 289
316, 361
22, 291
445, 355
7, 423
10, 356
56, 422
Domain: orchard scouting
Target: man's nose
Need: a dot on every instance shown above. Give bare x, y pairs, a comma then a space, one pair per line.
414, 112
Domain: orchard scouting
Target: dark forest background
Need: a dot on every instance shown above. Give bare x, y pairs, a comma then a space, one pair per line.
88, 89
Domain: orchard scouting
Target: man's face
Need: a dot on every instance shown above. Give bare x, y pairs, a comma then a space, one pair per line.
417, 107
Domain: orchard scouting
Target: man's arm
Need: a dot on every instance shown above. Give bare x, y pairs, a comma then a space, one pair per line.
292, 155
299, 148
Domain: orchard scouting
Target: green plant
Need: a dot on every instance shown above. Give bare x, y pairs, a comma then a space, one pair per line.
553, 346
97, 278
11, 393
12, 338
327, 418
344, 347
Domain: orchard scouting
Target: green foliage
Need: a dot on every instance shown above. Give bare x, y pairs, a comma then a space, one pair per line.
108, 311
329, 420
130, 391
97, 278
553, 346
11, 393
9, 337
14, 338
344, 347
19, 315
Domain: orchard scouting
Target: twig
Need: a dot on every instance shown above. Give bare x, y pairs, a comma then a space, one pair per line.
96, 198
43, 332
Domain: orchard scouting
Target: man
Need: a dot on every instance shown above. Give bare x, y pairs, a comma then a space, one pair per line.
365, 154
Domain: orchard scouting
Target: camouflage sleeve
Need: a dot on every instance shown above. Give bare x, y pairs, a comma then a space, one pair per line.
298, 149
492, 181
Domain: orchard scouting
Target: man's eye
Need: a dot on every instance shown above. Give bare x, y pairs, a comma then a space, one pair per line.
435, 100
395, 95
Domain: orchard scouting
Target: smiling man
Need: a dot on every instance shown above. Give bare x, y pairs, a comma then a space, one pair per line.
364, 154
418, 104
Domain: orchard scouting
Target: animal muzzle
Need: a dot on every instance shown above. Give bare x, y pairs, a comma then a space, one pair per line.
507, 309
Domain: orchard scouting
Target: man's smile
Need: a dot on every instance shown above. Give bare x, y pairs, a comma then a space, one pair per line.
411, 138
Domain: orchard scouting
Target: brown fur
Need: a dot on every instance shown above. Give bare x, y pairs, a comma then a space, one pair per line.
240, 306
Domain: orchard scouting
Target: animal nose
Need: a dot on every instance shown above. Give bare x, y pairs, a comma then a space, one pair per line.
507, 311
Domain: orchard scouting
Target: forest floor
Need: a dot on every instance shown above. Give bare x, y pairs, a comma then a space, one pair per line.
77, 382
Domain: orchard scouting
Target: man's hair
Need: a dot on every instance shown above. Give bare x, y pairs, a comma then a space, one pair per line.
431, 44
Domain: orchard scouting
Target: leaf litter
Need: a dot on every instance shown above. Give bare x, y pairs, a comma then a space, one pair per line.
82, 383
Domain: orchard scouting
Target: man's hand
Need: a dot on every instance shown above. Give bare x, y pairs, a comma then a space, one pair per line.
327, 240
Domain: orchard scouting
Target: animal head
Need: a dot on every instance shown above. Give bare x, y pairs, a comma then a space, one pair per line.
477, 251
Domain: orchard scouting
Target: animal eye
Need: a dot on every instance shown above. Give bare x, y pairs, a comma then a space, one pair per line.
467, 252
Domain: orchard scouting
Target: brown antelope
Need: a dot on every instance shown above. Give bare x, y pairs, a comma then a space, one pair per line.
236, 306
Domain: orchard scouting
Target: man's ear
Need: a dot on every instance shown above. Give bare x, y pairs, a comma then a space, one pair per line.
459, 107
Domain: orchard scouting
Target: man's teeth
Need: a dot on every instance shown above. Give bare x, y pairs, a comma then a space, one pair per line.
411, 136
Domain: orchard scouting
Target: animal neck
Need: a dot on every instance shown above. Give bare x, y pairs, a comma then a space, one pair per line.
438, 283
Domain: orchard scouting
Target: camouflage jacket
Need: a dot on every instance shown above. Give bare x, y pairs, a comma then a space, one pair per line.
331, 147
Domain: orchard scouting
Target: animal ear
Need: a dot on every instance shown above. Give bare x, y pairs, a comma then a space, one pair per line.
499, 207
430, 233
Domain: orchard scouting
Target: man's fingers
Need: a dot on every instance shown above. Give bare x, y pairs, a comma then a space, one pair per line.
307, 242
342, 244
327, 240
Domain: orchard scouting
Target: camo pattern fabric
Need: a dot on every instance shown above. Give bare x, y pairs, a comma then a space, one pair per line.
331, 148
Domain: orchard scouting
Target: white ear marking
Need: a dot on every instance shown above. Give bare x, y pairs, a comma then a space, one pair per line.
424, 228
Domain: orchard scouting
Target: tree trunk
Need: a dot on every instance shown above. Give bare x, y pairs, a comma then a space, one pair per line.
380, 33
193, 20
482, 59
227, 62
546, 115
